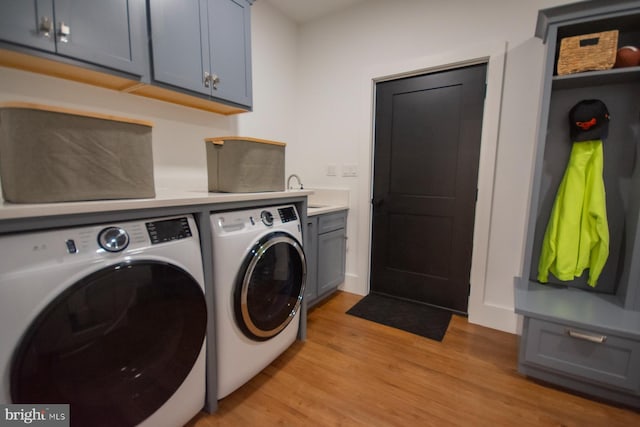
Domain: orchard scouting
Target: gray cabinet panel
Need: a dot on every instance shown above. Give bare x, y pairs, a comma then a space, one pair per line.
179, 43
585, 353
326, 252
333, 221
109, 34
195, 38
102, 32
20, 22
311, 254
331, 260
230, 49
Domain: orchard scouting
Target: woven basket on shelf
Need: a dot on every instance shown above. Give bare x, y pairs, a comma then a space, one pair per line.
588, 52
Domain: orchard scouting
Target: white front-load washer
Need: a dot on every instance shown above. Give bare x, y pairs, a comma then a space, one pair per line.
110, 319
259, 271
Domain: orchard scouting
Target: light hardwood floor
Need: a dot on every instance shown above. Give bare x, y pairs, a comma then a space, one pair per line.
352, 372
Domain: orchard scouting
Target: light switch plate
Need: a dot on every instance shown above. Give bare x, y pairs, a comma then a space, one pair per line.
349, 170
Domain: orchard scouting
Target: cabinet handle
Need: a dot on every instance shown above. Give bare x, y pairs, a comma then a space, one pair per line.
64, 32
214, 81
46, 27
211, 80
598, 339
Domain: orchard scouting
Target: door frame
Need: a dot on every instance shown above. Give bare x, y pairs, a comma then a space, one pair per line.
494, 55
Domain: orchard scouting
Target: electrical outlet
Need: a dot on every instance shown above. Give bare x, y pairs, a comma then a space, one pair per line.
331, 170
349, 170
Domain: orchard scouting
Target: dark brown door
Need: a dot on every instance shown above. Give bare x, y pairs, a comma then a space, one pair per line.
427, 148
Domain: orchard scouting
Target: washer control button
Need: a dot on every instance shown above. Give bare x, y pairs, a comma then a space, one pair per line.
113, 239
71, 246
267, 218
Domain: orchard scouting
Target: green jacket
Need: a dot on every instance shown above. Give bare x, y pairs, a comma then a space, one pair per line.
577, 235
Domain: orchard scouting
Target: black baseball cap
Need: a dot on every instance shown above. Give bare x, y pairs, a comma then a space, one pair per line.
589, 120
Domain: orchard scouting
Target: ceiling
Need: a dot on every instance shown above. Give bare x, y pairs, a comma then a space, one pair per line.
302, 11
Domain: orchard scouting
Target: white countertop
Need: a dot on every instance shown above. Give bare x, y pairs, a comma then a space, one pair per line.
319, 210
322, 201
164, 198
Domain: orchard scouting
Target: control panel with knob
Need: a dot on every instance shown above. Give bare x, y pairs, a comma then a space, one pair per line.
267, 218
113, 239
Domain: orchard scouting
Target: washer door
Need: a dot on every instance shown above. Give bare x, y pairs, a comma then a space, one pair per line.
270, 286
116, 345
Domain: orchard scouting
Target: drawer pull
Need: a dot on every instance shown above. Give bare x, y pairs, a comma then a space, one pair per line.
598, 339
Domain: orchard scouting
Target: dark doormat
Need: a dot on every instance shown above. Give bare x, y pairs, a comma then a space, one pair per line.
419, 319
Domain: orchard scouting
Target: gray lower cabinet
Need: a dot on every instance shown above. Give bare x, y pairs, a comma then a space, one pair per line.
581, 337
109, 34
203, 47
326, 254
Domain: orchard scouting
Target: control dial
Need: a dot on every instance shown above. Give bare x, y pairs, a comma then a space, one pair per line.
113, 239
267, 218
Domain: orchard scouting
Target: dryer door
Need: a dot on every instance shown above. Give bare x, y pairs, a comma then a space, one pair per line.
270, 286
116, 345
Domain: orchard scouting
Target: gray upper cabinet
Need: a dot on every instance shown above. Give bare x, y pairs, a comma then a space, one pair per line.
179, 47
106, 33
230, 50
203, 46
28, 23
109, 34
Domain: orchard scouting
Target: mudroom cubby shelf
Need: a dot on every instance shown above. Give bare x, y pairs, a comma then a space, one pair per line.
597, 78
577, 336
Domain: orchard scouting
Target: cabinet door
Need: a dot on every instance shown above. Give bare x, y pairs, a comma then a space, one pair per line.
331, 260
311, 254
230, 49
21, 22
179, 43
107, 33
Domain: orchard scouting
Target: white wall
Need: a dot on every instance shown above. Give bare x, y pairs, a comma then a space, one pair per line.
179, 132
338, 52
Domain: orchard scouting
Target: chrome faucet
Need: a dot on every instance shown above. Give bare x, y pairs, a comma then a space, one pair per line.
297, 179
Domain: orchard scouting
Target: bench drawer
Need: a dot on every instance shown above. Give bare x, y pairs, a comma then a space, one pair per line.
588, 354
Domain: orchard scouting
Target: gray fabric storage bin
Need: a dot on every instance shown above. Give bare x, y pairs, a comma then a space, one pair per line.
244, 165
50, 154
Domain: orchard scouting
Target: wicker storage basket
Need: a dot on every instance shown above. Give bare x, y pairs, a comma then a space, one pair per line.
53, 154
244, 165
588, 52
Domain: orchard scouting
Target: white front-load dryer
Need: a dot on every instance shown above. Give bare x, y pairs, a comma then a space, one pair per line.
110, 319
259, 271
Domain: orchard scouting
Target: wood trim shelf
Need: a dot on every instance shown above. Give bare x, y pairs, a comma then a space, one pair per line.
36, 64
219, 140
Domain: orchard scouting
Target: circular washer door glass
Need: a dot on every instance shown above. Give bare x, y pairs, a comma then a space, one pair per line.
270, 286
115, 345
